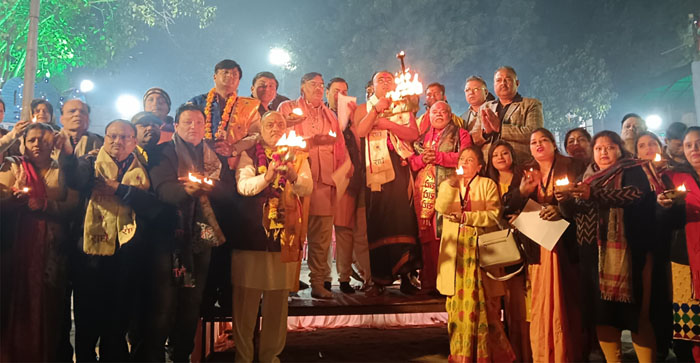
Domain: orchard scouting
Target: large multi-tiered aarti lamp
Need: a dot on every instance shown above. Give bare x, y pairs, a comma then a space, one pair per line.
405, 97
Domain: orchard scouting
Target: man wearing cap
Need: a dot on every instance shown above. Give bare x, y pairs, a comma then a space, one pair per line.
232, 122
148, 134
264, 89
157, 101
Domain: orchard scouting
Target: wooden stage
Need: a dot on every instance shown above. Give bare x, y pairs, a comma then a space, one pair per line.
392, 301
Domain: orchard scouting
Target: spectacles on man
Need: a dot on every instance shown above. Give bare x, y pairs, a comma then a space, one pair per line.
473, 90
115, 137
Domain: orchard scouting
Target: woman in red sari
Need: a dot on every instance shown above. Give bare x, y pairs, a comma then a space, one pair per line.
36, 205
685, 260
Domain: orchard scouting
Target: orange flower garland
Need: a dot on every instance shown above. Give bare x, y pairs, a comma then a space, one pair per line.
221, 131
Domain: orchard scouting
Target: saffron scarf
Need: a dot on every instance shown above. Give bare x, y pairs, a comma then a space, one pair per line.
107, 219
285, 215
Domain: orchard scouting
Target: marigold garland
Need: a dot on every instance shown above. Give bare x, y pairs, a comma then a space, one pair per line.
221, 131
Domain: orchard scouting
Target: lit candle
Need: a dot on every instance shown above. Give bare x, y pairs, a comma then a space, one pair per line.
297, 111
562, 182
460, 171
681, 188
657, 158
193, 178
331, 133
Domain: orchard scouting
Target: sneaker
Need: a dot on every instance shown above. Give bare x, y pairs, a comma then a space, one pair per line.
346, 288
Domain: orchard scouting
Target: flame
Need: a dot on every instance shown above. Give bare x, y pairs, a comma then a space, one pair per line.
406, 85
562, 182
208, 181
291, 140
460, 171
331, 133
681, 188
25, 190
657, 157
531, 170
297, 111
34, 119
401, 53
193, 178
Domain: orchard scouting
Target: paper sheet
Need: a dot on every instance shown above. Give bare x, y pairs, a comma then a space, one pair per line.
544, 233
344, 110
340, 178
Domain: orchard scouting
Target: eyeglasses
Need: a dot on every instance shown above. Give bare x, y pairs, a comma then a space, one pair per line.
115, 137
314, 84
473, 90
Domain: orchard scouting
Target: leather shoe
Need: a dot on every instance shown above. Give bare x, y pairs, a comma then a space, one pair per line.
346, 288
319, 292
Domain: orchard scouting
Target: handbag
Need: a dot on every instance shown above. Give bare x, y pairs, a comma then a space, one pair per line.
499, 249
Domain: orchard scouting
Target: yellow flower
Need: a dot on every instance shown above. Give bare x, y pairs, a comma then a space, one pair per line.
262, 169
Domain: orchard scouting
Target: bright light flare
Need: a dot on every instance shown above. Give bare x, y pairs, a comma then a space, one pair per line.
654, 121
562, 182
460, 171
657, 158
86, 86
332, 134
291, 140
279, 57
297, 111
127, 106
681, 188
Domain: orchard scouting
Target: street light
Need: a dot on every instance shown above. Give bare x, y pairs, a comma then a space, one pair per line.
86, 86
127, 106
654, 122
279, 57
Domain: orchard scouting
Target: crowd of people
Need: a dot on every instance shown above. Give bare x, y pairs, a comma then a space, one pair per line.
127, 228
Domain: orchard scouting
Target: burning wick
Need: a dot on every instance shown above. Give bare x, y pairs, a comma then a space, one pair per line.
297, 111
657, 157
26, 190
562, 182
291, 140
194, 179
680, 188
331, 133
460, 171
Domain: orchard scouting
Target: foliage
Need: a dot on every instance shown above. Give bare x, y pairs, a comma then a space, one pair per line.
583, 84
77, 33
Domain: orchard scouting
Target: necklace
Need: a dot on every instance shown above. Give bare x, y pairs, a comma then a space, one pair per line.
223, 125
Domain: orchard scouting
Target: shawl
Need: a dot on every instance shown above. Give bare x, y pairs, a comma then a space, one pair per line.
210, 167
614, 255
378, 163
432, 175
107, 220
285, 215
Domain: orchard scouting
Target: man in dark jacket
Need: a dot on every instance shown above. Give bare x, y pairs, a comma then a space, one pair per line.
117, 210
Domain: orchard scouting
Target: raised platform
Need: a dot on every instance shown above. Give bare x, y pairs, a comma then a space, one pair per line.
392, 301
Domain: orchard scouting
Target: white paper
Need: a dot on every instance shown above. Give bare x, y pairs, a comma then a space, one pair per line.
344, 110
340, 178
544, 233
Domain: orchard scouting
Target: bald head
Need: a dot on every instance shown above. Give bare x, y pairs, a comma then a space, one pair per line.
440, 115
383, 82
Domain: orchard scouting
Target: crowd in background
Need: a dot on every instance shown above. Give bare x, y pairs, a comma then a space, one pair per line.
141, 227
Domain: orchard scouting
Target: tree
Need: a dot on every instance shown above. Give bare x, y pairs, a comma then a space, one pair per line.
77, 33
583, 89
